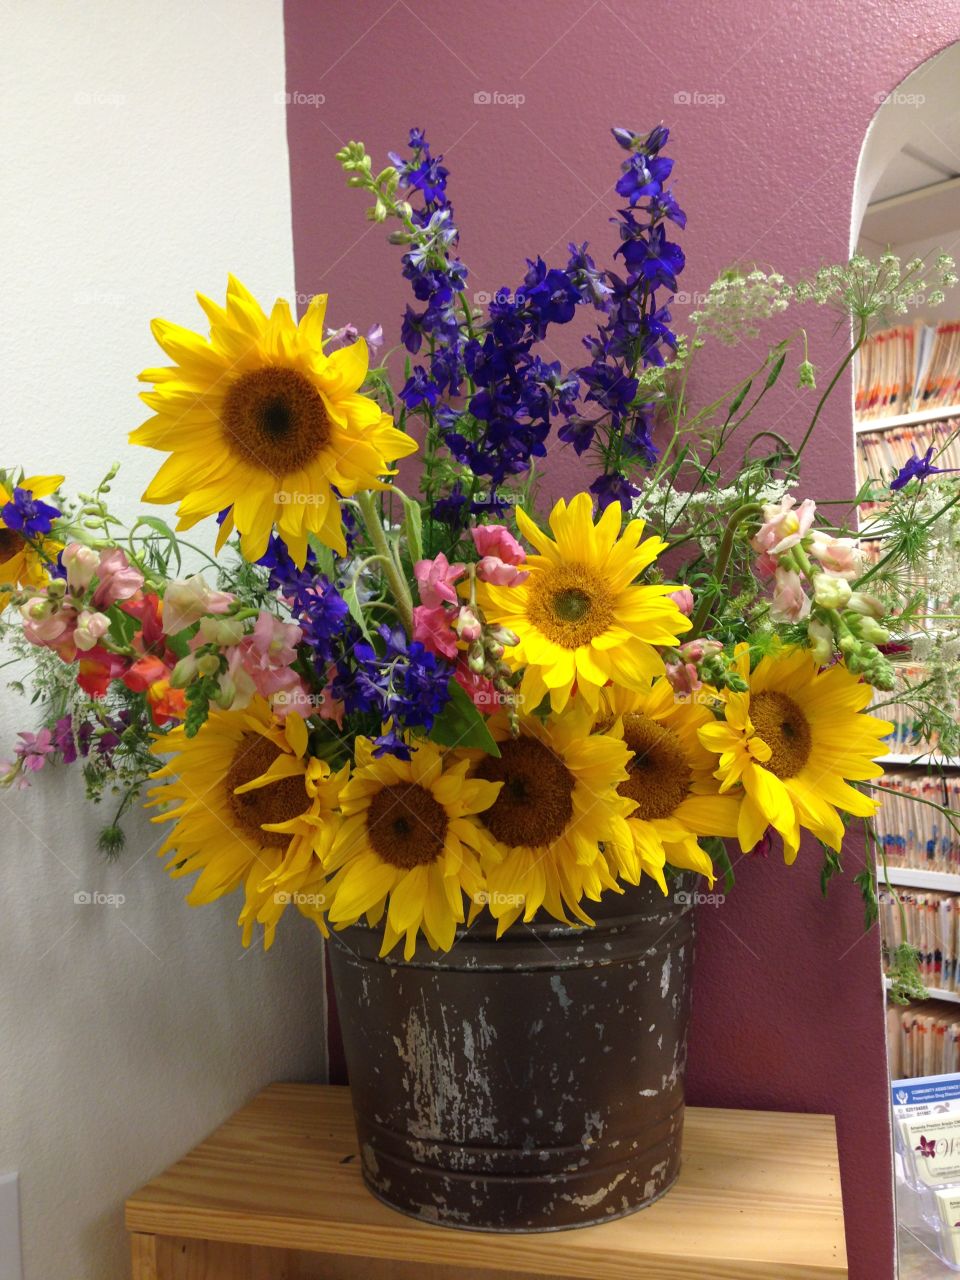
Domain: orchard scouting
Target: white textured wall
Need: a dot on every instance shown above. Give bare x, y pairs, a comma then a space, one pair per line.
144, 156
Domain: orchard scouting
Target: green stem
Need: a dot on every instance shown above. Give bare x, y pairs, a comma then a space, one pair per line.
723, 559
374, 526
861, 334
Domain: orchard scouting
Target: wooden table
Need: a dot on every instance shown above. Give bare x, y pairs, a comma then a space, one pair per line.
276, 1194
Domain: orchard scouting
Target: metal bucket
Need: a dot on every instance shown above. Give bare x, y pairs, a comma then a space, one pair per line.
529, 1084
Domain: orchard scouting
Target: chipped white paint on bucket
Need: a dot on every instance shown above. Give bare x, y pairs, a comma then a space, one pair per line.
530, 1084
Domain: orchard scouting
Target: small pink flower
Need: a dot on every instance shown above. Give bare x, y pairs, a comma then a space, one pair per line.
436, 578
80, 563
90, 629
33, 749
467, 625
432, 628
499, 573
117, 578
49, 627
783, 527
696, 650
790, 601
766, 566
187, 600
683, 677
481, 690
683, 599
497, 540
840, 555
267, 653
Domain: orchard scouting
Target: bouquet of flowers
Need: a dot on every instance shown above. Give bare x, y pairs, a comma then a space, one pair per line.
411, 709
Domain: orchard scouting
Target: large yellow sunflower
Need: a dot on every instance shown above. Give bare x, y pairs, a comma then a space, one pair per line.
251, 808
581, 616
409, 843
675, 797
558, 801
791, 740
258, 420
20, 564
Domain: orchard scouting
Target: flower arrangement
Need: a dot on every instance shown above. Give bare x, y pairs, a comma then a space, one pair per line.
411, 710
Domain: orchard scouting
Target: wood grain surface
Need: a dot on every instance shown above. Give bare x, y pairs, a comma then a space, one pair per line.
279, 1184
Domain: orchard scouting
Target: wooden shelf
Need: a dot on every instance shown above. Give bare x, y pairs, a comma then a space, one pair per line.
277, 1191
907, 419
934, 993
915, 878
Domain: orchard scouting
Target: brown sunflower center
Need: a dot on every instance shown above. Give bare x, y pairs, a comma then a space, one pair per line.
275, 420
535, 803
785, 729
278, 802
570, 604
660, 773
11, 544
406, 825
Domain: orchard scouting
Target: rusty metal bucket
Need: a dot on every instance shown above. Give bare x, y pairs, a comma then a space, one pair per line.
530, 1084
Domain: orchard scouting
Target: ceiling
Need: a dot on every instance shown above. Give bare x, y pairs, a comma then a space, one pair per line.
917, 195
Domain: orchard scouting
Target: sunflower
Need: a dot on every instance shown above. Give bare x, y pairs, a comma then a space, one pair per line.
20, 563
251, 808
674, 796
582, 618
791, 740
261, 423
408, 842
558, 801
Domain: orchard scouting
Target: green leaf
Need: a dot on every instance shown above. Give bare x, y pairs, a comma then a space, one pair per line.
739, 398
356, 609
774, 373
323, 553
868, 890
832, 866
718, 852
413, 526
122, 626
164, 530
460, 724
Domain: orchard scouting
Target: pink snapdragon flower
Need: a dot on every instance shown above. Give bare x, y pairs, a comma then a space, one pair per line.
766, 566
840, 555
80, 563
436, 579
432, 627
267, 653
482, 691
500, 574
90, 629
683, 677
187, 600
783, 527
50, 626
790, 601
497, 540
500, 554
117, 578
683, 599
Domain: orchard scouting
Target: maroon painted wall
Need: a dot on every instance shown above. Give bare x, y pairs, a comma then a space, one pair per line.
788, 1000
